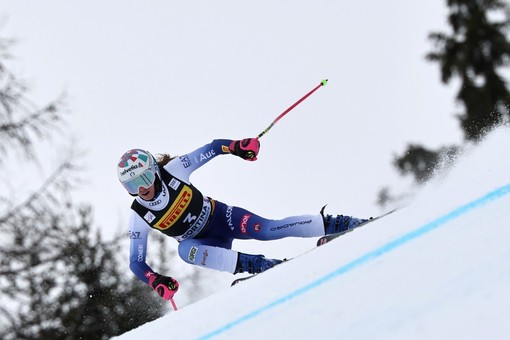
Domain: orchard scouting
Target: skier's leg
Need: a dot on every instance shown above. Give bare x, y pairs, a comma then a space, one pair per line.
208, 253
239, 223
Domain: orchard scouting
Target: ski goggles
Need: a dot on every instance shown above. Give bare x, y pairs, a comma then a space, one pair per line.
145, 180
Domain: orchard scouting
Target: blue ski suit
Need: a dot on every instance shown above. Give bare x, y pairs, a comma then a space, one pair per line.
204, 227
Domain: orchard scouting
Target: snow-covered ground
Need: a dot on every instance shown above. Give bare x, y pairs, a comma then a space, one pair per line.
436, 269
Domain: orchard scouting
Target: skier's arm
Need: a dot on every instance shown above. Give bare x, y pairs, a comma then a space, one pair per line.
184, 165
138, 233
165, 286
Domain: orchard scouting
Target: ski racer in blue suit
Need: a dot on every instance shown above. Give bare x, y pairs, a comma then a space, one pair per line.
205, 228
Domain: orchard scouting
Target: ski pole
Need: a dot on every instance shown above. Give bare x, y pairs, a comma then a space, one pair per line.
173, 304
322, 83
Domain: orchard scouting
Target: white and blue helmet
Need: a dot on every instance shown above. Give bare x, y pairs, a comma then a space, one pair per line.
137, 168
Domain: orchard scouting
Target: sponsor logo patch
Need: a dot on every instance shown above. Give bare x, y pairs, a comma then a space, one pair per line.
244, 223
174, 184
149, 217
185, 161
131, 158
192, 254
204, 257
140, 255
134, 235
290, 225
207, 155
199, 223
228, 215
176, 209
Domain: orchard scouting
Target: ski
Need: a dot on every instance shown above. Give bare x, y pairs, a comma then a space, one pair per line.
236, 281
325, 239
241, 279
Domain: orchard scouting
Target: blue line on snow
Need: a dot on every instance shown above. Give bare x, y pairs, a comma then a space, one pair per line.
487, 198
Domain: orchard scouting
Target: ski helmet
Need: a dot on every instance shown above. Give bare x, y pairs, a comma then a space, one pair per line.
137, 168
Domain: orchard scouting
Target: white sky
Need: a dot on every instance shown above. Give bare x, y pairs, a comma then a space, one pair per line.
437, 269
171, 76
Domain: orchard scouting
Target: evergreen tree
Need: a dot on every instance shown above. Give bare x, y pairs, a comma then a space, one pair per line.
58, 278
82, 293
422, 163
473, 52
27, 224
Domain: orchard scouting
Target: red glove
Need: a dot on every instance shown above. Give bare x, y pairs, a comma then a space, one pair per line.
247, 148
165, 286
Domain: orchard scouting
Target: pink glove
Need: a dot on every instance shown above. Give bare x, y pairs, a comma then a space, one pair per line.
165, 286
247, 148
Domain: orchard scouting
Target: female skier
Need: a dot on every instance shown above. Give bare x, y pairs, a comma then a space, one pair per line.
204, 227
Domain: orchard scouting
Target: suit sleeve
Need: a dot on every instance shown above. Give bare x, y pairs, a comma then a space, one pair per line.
138, 234
184, 165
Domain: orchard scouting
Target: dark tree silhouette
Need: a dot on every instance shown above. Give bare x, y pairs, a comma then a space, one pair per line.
58, 278
474, 52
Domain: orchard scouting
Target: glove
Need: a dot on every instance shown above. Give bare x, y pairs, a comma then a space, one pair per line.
247, 148
165, 286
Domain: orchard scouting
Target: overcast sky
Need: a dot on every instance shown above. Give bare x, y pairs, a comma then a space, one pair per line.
171, 76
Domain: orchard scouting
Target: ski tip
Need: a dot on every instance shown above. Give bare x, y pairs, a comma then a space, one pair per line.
321, 241
241, 279
324, 82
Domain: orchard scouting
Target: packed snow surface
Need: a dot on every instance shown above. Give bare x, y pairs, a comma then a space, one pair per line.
438, 268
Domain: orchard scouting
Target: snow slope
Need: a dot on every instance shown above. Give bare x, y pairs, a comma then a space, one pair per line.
436, 269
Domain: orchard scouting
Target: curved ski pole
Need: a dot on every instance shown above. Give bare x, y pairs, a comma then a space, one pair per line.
322, 83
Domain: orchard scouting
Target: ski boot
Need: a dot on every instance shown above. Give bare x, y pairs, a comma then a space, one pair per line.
254, 264
340, 223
